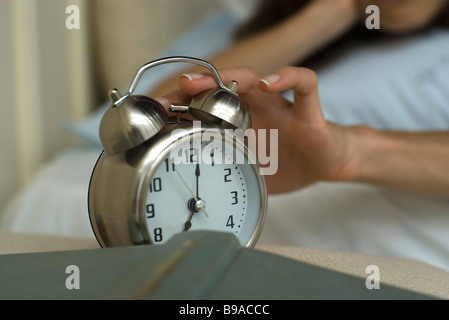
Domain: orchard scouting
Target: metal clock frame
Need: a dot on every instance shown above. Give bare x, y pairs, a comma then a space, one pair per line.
120, 182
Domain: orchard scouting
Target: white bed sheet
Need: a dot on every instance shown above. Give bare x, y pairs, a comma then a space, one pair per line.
55, 201
341, 216
335, 216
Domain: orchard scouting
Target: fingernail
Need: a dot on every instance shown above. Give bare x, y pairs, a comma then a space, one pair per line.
162, 100
192, 76
272, 78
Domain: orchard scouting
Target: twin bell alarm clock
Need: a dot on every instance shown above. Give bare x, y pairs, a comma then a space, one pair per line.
160, 175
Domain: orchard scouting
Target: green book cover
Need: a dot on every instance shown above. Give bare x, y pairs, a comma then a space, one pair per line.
192, 266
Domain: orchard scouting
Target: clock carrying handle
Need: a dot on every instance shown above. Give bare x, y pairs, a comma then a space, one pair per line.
161, 61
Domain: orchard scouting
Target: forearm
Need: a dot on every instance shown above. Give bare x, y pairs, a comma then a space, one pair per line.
294, 39
291, 41
412, 162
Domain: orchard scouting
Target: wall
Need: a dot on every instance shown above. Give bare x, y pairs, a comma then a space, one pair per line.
8, 154
128, 34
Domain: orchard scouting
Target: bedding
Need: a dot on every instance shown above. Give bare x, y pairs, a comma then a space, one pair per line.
414, 73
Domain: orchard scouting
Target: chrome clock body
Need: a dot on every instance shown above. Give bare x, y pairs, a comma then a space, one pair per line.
141, 192
120, 199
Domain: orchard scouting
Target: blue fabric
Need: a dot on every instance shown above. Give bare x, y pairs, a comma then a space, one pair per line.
400, 84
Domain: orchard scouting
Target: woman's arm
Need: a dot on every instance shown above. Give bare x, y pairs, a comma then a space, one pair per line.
409, 161
293, 40
311, 149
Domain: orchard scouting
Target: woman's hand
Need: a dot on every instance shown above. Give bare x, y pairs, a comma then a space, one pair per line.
309, 148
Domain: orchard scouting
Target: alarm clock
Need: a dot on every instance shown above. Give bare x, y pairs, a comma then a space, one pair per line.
160, 175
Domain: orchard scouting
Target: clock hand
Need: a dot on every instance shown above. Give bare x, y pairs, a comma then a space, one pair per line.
194, 206
201, 208
188, 223
197, 174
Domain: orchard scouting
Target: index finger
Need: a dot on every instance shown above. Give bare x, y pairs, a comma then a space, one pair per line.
246, 77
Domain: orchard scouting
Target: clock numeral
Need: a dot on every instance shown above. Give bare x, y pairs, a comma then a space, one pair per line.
169, 165
226, 177
230, 222
150, 211
156, 185
234, 197
157, 234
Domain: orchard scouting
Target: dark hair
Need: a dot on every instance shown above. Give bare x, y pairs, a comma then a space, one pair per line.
271, 12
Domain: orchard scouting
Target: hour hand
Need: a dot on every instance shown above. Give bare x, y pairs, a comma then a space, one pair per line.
188, 223
197, 175
201, 204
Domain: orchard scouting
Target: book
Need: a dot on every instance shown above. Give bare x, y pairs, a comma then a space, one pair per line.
197, 265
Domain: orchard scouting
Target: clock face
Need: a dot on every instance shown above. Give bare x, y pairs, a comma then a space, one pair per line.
207, 187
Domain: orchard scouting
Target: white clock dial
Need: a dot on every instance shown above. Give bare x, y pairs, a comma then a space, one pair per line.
218, 194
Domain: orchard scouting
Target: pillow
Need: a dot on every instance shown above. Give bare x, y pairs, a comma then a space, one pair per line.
392, 84
397, 84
